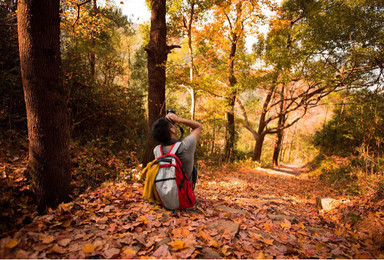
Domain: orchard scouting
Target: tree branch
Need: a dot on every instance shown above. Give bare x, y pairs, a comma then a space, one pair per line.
78, 11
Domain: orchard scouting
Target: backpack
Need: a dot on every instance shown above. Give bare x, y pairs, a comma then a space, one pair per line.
171, 182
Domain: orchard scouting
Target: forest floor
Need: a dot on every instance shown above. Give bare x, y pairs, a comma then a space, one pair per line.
243, 212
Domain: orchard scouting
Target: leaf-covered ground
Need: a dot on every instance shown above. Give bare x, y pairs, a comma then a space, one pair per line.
241, 213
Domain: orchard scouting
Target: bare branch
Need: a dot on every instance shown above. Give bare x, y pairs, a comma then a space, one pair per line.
78, 11
171, 47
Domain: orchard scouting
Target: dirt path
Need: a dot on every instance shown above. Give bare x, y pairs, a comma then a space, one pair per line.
242, 213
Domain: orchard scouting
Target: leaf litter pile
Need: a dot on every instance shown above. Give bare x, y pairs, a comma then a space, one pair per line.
241, 213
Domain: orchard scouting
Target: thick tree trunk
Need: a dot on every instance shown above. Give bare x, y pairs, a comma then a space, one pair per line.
262, 125
48, 127
157, 56
258, 148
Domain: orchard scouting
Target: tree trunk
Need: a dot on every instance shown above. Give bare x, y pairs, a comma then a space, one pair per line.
157, 56
44, 94
231, 99
280, 129
192, 65
277, 148
92, 60
92, 53
258, 148
262, 125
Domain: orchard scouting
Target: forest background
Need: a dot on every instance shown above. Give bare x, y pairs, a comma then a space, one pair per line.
310, 91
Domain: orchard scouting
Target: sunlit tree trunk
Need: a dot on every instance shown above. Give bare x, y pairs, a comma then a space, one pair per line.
280, 129
231, 99
278, 144
188, 28
157, 56
258, 148
44, 93
262, 125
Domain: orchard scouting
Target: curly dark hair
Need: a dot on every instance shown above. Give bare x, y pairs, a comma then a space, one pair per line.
161, 130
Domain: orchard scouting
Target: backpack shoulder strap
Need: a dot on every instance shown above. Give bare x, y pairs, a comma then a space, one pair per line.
158, 151
175, 148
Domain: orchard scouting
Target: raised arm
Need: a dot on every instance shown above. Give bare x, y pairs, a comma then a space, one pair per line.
196, 126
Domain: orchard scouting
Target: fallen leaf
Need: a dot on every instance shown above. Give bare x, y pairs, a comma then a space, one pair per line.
178, 245
205, 237
162, 252
143, 219
177, 232
227, 234
112, 253
89, 248
301, 225
286, 224
64, 242
309, 252
129, 253
47, 239
225, 251
66, 223
255, 236
185, 232
267, 227
268, 241
239, 254
102, 220
213, 243
260, 255
57, 249
12, 243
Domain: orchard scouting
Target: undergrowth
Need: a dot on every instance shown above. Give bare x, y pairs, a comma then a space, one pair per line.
92, 164
355, 175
